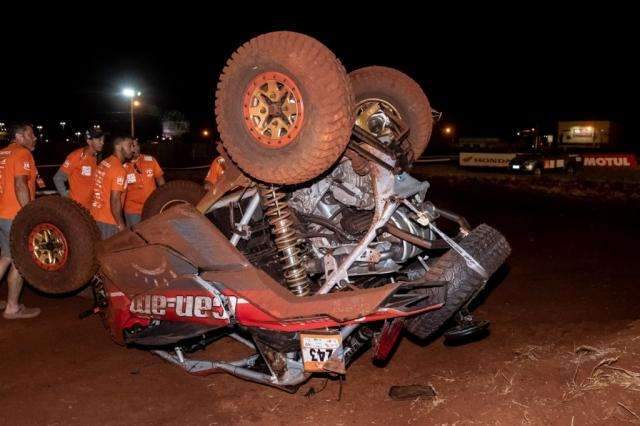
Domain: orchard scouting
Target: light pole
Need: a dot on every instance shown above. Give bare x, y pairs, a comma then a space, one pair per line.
130, 93
449, 132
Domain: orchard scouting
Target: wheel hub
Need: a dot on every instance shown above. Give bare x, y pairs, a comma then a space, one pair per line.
273, 109
48, 247
371, 115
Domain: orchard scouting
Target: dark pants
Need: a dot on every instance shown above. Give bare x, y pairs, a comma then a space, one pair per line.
107, 230
132, 219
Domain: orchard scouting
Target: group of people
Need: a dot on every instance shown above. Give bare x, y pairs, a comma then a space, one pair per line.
113, 190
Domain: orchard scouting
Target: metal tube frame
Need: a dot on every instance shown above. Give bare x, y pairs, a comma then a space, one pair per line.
233, 197
246, 217
385, 205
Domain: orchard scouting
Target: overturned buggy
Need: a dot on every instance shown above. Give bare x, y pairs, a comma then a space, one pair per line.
313, 246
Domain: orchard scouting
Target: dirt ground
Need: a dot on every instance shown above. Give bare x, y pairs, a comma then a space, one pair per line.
563, 349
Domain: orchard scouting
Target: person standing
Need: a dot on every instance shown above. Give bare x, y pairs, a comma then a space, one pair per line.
109, 187
144, 175
18, 176
79, 170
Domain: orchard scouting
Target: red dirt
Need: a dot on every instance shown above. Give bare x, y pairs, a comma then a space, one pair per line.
571, 281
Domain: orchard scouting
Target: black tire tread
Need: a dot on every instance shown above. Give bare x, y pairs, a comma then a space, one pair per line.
85, 234
335, 109
489, 247
399, 85
189, 191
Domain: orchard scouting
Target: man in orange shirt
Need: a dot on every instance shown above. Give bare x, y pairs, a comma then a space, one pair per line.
109, 187
79, 170
215, 171
144, 175
17, 187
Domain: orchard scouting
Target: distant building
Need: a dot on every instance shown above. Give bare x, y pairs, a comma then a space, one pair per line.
4, 135
174, 125
588, 134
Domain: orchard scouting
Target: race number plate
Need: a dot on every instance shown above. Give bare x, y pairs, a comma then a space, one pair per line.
319, 348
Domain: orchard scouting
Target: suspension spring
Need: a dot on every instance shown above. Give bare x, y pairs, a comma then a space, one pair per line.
278, 215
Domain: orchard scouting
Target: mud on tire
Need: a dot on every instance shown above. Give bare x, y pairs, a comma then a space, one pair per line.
403, 94
284, 108
53, 244
489, 248
170, 194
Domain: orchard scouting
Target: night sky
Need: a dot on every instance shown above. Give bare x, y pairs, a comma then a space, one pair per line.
488, 71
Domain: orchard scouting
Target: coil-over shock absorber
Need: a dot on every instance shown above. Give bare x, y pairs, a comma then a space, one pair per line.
278, 215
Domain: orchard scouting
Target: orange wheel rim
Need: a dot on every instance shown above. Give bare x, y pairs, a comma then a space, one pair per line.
48, 247
273, 109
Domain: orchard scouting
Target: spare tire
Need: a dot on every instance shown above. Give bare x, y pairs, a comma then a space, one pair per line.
171, 194
53, 243
398, 92
284, 108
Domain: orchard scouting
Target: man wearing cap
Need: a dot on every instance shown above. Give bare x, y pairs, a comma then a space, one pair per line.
144, 175
18, 176
79, 170
109, 187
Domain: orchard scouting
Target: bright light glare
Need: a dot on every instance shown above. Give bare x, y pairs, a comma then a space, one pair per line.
128, 92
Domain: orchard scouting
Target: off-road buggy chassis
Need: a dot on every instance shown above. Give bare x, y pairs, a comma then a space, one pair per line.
317, 243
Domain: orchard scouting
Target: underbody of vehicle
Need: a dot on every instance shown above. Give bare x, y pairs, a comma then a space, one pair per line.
314, 245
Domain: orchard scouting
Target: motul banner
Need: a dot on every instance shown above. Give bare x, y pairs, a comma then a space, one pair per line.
609, 160
485, 159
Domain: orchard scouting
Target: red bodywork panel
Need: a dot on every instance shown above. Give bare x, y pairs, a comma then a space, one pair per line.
179, 268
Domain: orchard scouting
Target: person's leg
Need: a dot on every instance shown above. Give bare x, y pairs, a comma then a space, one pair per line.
5, 248
107, 230
14, 309
132, 219
5, 262
14, 280
5, 256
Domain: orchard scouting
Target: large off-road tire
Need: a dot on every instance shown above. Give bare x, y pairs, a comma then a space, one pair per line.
484, 244
53, 244
402, 94
284, 108
171, 194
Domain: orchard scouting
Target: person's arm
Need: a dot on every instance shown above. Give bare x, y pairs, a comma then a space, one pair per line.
23, 168
59, 180
117, 186
22, 190
208, 186
116, 209
158, 173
